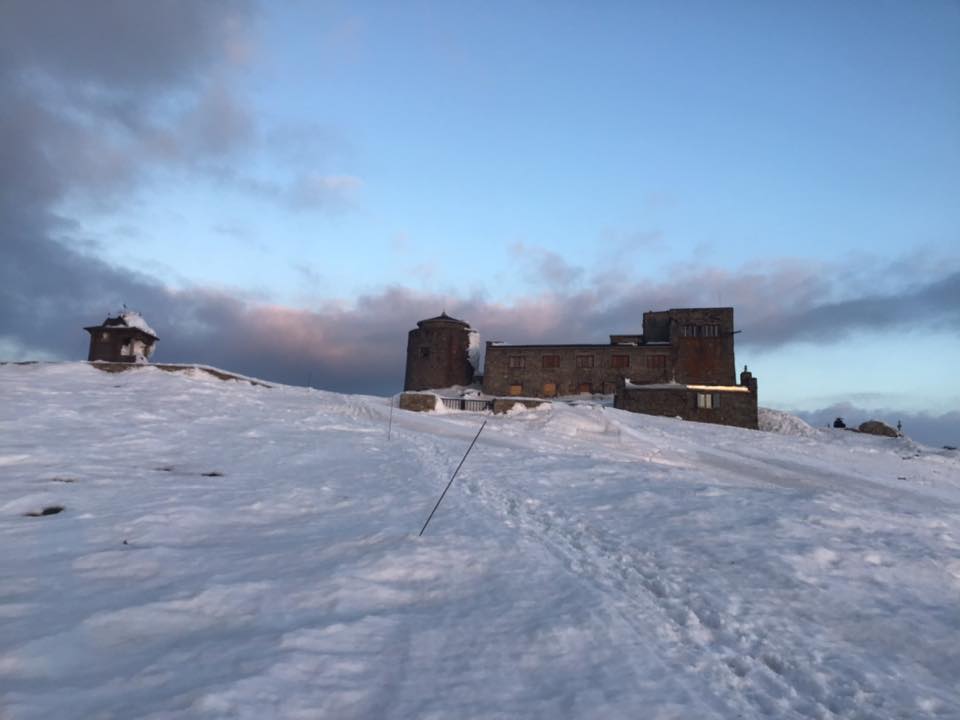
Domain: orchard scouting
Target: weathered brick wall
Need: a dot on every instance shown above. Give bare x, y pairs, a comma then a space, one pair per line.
700, 359
418, 402
735, 408
446, 361
498, 376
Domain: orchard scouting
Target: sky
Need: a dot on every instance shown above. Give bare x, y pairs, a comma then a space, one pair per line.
284, 189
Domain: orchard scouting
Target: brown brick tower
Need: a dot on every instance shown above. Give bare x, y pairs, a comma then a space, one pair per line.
438, 354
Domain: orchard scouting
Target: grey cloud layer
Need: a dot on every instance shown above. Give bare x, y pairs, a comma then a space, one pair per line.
83, 85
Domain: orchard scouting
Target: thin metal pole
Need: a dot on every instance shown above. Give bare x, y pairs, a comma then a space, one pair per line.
452, 477
390, 422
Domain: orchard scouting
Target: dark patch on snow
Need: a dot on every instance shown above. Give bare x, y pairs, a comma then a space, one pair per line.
164, 468
212, 473
63, 480
49, 510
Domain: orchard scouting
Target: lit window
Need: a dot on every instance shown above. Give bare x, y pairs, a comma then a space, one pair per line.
516, 361
584, 361
585, 388
516, 389
549, 389
619, 361
708, 401
551, 361
656, 362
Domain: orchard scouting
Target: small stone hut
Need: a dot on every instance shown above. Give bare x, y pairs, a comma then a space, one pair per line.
126, 338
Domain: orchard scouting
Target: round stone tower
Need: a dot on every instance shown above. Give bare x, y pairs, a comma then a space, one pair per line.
438, 354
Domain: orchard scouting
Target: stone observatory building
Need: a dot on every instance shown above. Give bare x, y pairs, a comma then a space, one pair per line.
126, 338
441, 352
681, 365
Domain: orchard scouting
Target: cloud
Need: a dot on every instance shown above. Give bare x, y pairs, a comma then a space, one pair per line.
928, 428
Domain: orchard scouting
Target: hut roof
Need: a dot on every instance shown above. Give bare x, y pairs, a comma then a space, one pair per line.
128, 319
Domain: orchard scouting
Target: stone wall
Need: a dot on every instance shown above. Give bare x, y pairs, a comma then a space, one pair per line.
418, 402
569, 369
703, 358
736, 407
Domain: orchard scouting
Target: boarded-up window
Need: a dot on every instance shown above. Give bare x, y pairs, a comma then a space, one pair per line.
619, 361
584, 388
516, 389
551, 361
656, 362
549, 389
584, 361
517, 361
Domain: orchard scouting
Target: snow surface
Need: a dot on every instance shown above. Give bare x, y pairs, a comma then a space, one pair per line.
780, 422
586, 563
135, 320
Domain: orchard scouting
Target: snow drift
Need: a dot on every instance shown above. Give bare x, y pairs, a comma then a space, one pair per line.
229, 550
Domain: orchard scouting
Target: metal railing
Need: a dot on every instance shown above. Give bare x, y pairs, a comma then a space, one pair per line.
468, 404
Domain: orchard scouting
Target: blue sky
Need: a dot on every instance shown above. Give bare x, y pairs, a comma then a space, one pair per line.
546, 170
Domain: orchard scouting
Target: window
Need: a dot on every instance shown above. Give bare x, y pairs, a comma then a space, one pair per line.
619, 361
609, 388
549, 389
656, 362
516, 389
584, 388
711, 331
104, 336
688, 331
708, 401
424, 352
584, 361
517, 362
551, 361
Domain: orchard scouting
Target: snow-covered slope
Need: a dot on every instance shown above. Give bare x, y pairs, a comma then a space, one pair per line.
234, 551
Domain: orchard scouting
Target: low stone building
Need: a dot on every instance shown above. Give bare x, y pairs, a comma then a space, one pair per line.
720, 404
125, 338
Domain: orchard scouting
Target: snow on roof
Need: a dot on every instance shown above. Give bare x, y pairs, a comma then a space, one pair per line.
681, 386
130, 319
135, 320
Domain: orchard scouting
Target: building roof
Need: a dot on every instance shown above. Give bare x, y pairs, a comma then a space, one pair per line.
681, 386
127, 319
443, 319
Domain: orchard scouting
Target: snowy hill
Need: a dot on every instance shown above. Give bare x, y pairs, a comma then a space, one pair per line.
236, 551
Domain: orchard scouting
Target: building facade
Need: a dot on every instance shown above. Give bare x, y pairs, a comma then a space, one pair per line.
681, 365
693, 345
126, 338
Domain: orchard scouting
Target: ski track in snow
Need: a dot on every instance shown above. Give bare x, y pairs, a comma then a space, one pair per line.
586, 562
